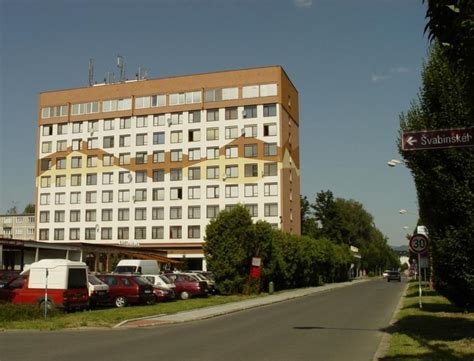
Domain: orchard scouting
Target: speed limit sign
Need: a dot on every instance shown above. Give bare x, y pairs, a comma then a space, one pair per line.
418, 243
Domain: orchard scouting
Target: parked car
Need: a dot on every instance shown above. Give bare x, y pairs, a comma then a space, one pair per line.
163, 294
385, 273
66, 283
98, 291
211, 284
140, 266
6, 276
394, 276
187, 285
127, 290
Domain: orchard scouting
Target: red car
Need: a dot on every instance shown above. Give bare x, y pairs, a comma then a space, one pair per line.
188, 285
128, 290
163, 294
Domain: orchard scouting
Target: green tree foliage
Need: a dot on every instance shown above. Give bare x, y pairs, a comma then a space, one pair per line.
309, 225
12, 210
444, 178
29, 209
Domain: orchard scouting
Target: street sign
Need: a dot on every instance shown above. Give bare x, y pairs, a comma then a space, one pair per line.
438, 139
418, 243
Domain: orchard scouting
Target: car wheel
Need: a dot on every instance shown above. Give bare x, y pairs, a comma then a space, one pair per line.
120, 302
49, 305
184, 295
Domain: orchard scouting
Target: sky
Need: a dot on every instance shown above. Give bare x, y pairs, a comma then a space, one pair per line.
356, 65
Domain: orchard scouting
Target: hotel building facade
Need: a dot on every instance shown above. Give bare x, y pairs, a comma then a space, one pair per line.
150, 162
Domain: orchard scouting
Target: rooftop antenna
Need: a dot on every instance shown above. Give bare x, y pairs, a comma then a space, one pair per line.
121, 66
91, 72
142, 73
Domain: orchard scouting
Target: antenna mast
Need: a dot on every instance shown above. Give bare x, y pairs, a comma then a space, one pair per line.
91, 72
121, 66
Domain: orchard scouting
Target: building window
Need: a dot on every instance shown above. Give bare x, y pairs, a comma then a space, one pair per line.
250, 111
194, 231
140, 176
250, 131
91, 179
157, 213
158, 175
176, 155
270, 149
59, 216
44, 234
107, 196
60, 163
194, 153
76, 162
108, 160
60, 181
124, 141
77, 144
141, 157
107, 178
176, 137
232, 191
213, 95
92, 161
231, 132
230, 207
61, 145
91, 215
232, 171
44, 216
45, 182
158, 100
157, 232
140, 232
271, 209
124, 195
108, 142
158, 156
140, 214
90, 234
212, 115
176, 118
175, 213
194, 135
125, 177
122, 233
231, 113
47, 130
75, 216
269, 130
268, 90
45, 164
158, 194
270, 189
251, 170
140, 195
212, 192
62, 129
116, 105
251, 190
85, 108
194, 192
194, 212
231, 152
75, 197
60, 198
106, 215
194, 173
212, 153
91, 197
253, 209
194, 117
270, 169
142, 122
176, 174
109, 124
269, 110
123, 214
74, 234
212, 211
92, 143
159, 120
93, 126
176, 193
77, 127
44, 198
125, 123
175, 232
251, 91
141, 139
124, 158
106, 233
250, 150
212, 172
159, 138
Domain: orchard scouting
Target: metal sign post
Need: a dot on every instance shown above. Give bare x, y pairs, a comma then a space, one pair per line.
46, 295
418, 244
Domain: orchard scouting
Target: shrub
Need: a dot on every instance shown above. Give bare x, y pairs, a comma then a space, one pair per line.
10, 312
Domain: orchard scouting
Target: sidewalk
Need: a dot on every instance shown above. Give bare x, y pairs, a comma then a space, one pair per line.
208, 312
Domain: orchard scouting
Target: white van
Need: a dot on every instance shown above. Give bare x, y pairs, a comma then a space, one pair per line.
141, 266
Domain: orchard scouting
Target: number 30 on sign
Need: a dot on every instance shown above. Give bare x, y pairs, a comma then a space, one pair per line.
418, 243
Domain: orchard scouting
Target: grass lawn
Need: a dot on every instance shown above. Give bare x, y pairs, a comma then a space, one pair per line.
439, 331
111, 316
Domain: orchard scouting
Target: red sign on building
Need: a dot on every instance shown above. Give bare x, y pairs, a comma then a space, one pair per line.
438, 139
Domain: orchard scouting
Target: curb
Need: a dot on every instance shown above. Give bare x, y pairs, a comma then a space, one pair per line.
385, 341
228, 308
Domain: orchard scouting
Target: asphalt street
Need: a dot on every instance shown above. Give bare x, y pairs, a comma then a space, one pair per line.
342, 324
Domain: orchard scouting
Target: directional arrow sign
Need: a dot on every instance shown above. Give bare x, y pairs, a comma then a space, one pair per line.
437, 139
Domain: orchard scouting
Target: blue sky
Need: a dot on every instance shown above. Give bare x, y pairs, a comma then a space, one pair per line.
356, 65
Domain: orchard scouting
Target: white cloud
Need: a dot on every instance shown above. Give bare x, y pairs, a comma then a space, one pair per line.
303, 3
392, 73
377, 78
399, 70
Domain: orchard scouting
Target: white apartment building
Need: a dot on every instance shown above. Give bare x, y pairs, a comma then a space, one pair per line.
150, 162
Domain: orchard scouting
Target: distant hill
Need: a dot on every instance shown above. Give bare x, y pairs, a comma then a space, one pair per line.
403, 248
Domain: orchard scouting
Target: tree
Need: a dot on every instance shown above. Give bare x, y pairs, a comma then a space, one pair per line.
309, 226
12, 210
444, 178
325, 212
29, 209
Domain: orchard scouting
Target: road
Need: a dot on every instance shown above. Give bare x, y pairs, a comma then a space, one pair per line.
343, 324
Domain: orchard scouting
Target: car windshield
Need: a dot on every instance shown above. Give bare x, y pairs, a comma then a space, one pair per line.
141, 281
165, 279
125, 269
93, 280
